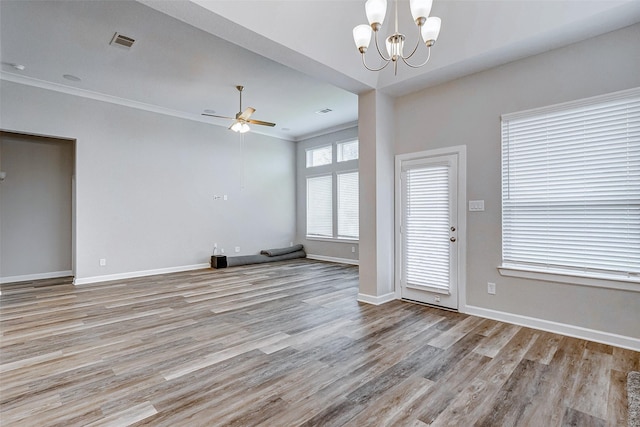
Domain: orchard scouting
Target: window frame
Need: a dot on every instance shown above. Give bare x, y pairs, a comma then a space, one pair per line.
337, 234
334, 169
568, 275
318, 148
332, 222
349, 141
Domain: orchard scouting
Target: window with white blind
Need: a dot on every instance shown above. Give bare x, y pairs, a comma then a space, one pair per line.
320, 206
348, 205
571, 188
332, 191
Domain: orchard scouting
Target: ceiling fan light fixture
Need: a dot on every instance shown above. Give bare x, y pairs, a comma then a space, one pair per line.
242, 118
240, 127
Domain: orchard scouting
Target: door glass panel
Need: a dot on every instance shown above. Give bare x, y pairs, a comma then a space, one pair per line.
427, 227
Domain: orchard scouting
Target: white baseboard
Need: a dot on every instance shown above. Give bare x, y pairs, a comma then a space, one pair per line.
133, 274
376, 300
555, 327
334, 259
39, 276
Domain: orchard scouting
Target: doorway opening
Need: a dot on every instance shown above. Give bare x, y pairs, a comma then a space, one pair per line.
37, 207
431, 227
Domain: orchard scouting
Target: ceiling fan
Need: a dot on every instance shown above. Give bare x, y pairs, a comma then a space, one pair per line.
242, 119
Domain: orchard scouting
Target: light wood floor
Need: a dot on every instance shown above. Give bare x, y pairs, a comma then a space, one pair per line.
286, 344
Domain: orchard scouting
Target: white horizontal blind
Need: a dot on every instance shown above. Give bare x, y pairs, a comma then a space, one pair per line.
320, 206
426, 225
571, 186
348, 212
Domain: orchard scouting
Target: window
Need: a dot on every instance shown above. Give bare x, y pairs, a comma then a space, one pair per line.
347, 151
320, 206
348, 213
332, 191
571, 188
320, 156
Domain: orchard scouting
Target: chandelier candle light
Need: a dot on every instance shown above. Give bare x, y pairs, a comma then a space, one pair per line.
428, 30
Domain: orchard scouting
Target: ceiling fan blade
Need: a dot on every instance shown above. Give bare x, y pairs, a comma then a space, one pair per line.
258, 122
246, 114
220, 117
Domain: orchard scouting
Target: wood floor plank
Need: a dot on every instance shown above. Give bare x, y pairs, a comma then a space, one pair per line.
617, 399
591, 384
285, 344
474, 401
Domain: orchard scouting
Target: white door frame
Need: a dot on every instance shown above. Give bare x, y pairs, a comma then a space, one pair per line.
461, 247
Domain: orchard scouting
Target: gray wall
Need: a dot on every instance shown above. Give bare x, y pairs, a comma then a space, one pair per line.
35, 207
145, 182
324, 248
467, 111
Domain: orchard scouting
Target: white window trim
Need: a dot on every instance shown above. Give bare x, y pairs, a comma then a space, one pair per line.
592, 279
332, 239
319, 147
606, 281
334, 178
346, 141
334, 168
315, 176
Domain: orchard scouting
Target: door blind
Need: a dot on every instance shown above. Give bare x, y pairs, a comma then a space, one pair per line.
571, 186
426, 226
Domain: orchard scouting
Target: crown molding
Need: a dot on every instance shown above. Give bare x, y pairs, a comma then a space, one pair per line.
99, 96
327, 131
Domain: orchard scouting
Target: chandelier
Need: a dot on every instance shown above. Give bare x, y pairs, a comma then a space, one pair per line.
428, 30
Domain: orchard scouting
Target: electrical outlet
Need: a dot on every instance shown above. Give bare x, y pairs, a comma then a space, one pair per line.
103, 262
353, 249
437, 299
221, 250
237, 249
224, 197
491, 288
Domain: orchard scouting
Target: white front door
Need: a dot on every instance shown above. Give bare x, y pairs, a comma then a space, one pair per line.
428, 255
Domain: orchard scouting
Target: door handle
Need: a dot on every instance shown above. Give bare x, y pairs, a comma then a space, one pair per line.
453, 239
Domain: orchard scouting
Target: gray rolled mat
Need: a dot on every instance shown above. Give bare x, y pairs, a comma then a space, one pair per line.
281, 251
260, 259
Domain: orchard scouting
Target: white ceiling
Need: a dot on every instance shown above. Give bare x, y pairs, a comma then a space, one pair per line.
293, 57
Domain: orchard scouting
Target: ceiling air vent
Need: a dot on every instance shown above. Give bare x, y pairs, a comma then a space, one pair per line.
325, 111
122, 41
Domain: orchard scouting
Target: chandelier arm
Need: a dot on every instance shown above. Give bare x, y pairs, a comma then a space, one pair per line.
375, 69
417, 44
417, 66
378, 48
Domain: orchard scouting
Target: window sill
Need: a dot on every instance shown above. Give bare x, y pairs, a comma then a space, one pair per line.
332, 239
586, 279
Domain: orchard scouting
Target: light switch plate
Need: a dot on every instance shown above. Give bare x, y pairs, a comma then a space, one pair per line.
476, 205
